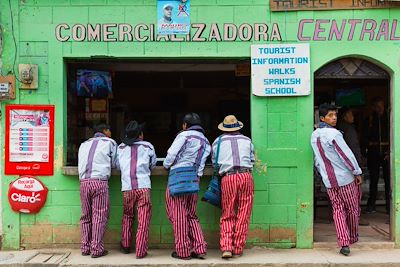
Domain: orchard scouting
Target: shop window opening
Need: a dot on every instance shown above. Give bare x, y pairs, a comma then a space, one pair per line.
354, 83
158, 93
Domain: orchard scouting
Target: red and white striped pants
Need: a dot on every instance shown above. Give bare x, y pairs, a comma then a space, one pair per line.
140, 199
237, 191
346, 212
181, 211
95, 206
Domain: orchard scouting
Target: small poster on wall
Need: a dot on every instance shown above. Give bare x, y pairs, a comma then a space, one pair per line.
173, 16
29, 139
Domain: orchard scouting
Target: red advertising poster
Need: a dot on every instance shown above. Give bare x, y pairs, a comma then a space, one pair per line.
27, 194
29, 139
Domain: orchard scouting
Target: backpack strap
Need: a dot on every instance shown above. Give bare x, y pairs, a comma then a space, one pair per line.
200, 153
217, 155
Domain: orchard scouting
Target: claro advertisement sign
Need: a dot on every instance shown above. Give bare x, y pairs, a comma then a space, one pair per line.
27, 194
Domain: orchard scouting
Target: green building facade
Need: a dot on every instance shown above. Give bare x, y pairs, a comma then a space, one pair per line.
280, 126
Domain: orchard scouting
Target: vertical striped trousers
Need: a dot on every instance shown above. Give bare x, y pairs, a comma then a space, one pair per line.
136, 199
346, 212
95, 206
237, 191
181, 211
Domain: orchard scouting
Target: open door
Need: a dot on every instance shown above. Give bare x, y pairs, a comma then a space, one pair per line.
357, 84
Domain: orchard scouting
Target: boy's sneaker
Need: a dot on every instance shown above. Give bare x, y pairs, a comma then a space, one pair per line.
226, 254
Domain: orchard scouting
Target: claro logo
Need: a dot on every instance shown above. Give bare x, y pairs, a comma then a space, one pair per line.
25, 199
27, 194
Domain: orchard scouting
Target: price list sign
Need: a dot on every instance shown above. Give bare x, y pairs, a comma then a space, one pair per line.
29, 139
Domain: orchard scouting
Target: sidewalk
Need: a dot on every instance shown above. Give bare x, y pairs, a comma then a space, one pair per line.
252, 258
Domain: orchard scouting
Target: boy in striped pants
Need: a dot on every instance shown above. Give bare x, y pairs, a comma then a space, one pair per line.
341, 175
236, 159
135, 159
189, 148
96, 157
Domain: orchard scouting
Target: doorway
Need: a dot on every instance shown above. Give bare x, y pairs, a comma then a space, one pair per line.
355, 84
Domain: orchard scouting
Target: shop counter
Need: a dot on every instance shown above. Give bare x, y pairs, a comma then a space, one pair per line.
157, 171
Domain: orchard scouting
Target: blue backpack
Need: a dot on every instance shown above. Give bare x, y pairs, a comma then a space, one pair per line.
184, 180
213, 192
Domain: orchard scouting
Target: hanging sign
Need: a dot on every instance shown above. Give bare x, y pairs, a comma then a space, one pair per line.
280, 69
27, 194
29, 139
289, 5
173, 16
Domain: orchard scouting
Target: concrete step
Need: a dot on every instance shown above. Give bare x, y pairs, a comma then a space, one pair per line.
255, 257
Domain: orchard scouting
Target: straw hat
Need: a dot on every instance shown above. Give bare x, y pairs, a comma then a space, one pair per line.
230, 124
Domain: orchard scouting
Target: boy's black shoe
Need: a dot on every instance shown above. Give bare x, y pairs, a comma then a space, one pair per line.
124, 250
198, 256
141, 256
105, 252
85, 253
345, 251
175, 255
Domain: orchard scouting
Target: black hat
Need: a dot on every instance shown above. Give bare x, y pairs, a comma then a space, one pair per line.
132, 131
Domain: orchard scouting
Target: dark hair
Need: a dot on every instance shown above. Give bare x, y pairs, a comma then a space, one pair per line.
325, 108
192, 119
343, 111
101, 127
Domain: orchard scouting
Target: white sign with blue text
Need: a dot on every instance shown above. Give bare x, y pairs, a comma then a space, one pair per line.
280, 69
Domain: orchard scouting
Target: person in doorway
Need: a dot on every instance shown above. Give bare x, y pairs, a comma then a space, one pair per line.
346, 126
167, 14
376, 147
135, 159
189, 148
340, 174
96, 157
235, 161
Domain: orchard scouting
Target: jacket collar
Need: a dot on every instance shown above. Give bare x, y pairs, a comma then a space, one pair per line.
196, 128
98, 134
325, 125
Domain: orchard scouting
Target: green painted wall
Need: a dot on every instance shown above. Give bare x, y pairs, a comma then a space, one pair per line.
281, 126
